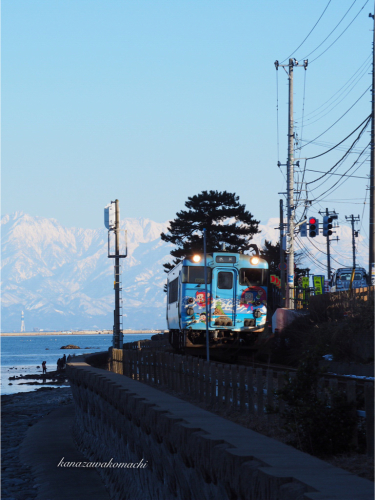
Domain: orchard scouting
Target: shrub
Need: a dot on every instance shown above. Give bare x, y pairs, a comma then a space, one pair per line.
320, 425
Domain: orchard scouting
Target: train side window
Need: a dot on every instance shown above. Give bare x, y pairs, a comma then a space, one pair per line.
253, 277
173, 291
225, 280
195, 274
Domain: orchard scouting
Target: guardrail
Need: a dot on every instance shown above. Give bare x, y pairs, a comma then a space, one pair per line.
224, 386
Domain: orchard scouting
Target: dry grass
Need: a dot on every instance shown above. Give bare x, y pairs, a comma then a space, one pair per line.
271, 426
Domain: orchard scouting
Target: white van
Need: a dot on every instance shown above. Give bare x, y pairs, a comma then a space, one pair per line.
341, 279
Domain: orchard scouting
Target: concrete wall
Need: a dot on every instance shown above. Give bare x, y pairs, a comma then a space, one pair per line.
191, 453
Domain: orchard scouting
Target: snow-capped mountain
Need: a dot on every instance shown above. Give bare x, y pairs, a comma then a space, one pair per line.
62, 278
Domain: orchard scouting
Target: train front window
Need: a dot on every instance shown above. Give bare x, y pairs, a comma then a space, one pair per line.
225, 280
253, 277
195, 274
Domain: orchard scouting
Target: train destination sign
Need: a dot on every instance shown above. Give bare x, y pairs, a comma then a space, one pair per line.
225, 259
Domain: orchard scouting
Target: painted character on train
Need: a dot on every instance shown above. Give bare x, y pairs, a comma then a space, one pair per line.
200, 299
253, 296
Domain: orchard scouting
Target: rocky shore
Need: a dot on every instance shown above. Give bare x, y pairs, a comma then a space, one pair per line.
19, 412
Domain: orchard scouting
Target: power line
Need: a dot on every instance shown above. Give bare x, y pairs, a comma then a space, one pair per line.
277, 115
341, 175
310, 255
342, 158
344, 180
342, 265
340, 33
337, 25
341, 88
300, 45
342, 116
337, 103
338, 144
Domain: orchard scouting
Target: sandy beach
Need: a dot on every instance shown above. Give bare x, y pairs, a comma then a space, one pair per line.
19, 412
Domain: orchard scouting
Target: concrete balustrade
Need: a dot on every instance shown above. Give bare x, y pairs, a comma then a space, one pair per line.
223, 386
190, 453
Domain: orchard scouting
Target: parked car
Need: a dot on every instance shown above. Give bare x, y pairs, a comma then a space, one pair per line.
341, 279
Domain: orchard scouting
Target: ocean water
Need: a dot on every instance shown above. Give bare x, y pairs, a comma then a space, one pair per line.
21, 355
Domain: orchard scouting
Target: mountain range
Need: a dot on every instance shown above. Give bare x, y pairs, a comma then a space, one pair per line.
63, 280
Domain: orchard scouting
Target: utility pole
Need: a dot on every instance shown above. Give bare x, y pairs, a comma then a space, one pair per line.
290, 196
289, 302
282, 256
328, 253
372, 163
354, 233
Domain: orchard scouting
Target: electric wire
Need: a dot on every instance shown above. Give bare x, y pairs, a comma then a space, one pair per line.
347, 177
351, 22
363, 211
300, 45
342, 158
334, 29
337, 103
341, 88
302, 247
307, 255
342, 116
341, 175
277, 115
303, 105
343, 140
342, 265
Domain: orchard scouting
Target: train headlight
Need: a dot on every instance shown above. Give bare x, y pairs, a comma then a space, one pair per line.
196, 258
254, 260
257, 313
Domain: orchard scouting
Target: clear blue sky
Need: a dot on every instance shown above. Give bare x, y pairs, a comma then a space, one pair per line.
153, 101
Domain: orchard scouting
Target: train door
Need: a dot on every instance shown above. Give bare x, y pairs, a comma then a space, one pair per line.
224, 290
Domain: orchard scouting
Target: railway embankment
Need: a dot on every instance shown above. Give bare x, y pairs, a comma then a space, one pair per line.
190, 453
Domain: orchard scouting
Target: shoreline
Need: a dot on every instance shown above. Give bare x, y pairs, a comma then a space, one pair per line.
20, 411
83, 332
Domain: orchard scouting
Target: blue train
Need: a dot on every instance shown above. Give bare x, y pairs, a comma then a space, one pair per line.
236, 300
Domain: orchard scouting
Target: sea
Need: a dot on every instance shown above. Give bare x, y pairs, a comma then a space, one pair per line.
23, 355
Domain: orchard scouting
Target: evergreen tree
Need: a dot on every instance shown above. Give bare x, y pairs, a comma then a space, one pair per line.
271, 253
223, 217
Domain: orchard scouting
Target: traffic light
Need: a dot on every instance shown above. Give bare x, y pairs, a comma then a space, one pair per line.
303, 230
327, 225
313, 227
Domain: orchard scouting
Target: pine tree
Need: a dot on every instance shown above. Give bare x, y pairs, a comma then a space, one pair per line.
271, 253
223, 217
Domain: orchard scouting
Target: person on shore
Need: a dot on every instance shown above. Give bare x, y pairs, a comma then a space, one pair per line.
63, 363
59, 365
44, 366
